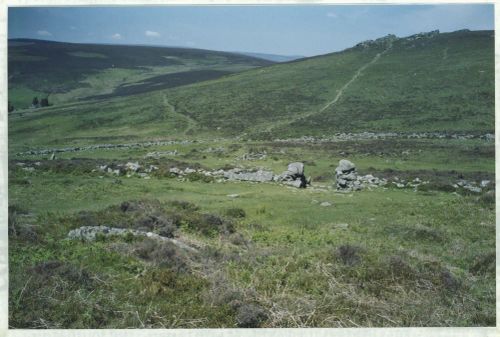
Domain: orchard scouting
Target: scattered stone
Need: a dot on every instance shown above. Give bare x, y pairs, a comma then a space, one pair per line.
386, 135
133, 167
473, 188
325, 204
219, 149
159, 154
254, 156
485, 183
53, 156
233, 195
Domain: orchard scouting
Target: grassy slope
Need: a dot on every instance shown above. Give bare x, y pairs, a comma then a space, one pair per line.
66, 71
440, 84
444, 83
217, 106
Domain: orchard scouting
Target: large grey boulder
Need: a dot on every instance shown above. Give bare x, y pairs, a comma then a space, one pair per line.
345, 166
294, 176
296, 169
346, 176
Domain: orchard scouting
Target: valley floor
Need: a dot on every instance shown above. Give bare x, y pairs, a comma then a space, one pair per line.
260, 254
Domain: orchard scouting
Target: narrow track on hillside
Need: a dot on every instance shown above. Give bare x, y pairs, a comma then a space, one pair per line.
354, 78
191, 122
337, 97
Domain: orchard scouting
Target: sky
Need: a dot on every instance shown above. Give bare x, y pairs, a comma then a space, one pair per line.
304, 30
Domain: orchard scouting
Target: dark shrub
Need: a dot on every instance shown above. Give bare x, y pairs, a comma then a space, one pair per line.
237, 239
484, 263
196, 176
153, 221
167, 230
27, 233
209, 224
17, 229
16, 209
399, 267
236, 212
20, 181
488, 199
436, 187
162, 254
227, 167
125, 206
85, 218
185, 205
449, 281
426, 233
54, 268
348, 254
44, 102
250, 316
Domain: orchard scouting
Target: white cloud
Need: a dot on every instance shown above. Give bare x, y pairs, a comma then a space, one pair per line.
190, 43
332, 15
150, 33
117, 36
72, 28
44, 33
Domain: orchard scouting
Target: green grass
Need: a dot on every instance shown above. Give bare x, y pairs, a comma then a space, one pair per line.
386, 257
291, 257
273, 256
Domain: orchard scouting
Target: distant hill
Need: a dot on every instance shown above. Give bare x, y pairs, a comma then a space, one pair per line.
56, 68
425, 82
273, 57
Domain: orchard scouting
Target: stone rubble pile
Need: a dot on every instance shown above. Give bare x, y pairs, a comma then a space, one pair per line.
472, 186
253, 156
90, 233
258, 176
386, 135
110, 146
219, 149
159, 154
347, 178
129, 169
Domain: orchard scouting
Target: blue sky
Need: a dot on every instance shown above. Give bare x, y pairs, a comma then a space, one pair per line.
286, 30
